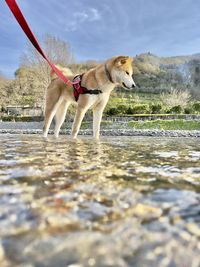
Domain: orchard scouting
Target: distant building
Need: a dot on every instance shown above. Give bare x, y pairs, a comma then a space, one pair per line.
24, 110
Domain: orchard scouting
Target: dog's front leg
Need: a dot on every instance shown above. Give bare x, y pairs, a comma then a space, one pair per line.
80, 113
97, 116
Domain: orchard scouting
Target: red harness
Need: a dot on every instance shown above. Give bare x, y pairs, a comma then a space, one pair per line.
79, 89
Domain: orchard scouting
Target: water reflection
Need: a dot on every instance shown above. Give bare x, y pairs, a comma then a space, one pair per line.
116, 202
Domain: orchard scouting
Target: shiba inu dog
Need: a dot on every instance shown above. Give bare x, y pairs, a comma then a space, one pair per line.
92, 92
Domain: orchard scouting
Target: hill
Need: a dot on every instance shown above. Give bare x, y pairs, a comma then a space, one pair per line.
156, 74
152, 73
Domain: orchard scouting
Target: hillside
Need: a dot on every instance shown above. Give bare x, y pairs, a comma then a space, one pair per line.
165, 62
153, 74
157, 74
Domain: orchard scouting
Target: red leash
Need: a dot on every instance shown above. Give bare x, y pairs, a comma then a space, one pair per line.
24, 25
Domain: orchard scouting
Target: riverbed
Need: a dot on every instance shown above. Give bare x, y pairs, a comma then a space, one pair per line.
117, 202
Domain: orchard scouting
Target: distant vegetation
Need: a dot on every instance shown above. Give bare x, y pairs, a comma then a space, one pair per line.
166, 125
167, 85
149, 104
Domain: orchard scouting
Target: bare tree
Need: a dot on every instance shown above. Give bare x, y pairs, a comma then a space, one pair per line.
57, 50
176, 98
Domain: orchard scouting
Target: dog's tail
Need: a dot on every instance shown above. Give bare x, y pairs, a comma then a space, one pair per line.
66, 71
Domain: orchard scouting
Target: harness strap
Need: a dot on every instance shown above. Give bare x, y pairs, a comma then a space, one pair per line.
92, 92
79, 89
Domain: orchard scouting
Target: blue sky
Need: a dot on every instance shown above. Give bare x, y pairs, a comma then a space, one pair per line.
103, 28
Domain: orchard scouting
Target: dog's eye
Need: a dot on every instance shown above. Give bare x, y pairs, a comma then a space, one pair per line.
127, 73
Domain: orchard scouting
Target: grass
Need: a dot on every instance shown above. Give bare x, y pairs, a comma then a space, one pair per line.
166, 124
164, 115
155, 124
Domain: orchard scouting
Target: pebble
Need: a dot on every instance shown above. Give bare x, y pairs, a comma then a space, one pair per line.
194, 229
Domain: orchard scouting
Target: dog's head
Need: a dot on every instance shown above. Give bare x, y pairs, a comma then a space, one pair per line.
122, 72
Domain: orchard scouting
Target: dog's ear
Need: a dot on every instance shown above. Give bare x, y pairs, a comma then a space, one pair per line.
121, 60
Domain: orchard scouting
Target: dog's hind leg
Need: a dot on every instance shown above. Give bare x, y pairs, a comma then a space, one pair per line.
60, 116
80, 113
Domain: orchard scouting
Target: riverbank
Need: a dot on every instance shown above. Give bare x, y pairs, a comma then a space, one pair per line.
36, 128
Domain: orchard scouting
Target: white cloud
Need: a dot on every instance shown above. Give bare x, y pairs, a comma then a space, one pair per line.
78, 18
94, 14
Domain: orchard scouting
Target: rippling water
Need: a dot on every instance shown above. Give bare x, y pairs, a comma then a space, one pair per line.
117, 202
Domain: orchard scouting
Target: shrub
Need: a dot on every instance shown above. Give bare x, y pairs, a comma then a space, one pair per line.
140, 109
130, 110
122, 109
21, 118
112, 111
7, 118
196, 106
175, 109
156, 108
28, 118
188, 110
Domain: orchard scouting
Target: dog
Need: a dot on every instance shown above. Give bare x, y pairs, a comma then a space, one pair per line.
93, 92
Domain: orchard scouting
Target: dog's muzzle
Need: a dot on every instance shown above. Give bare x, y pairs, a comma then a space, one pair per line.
132, 86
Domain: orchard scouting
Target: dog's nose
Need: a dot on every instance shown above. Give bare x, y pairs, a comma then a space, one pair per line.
133, 86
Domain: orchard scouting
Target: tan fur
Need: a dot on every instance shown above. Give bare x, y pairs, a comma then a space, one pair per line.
59, 95
66, 71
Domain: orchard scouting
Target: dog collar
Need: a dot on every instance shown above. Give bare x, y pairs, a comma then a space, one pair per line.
108, 74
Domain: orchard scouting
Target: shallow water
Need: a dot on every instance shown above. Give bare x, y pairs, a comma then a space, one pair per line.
118, 202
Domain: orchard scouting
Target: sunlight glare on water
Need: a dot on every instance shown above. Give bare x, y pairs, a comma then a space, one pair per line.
121, 201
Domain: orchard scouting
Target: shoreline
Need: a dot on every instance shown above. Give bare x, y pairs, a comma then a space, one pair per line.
110, 132
36, 128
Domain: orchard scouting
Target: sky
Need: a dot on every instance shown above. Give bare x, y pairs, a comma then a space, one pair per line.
104, 28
